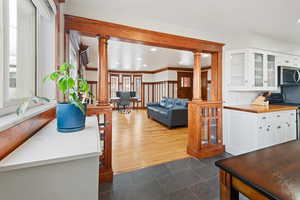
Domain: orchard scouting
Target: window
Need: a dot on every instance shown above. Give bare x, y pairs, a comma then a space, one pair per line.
24, 45
137, 83
185, 82
21, 49
114, 81
126, 83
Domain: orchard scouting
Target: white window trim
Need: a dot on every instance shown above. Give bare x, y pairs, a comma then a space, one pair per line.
6, 108
1, 52
11, 120
8, 118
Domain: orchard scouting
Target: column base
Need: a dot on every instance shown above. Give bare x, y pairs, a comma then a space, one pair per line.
207, 152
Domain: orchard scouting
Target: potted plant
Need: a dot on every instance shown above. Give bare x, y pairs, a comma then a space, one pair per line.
70, 113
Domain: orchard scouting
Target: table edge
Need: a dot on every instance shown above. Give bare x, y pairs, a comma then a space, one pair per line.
244, 180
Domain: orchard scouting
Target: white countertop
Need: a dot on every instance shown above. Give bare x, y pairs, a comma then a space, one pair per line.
49, 146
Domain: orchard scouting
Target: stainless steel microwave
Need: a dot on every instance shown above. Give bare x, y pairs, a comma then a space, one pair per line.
289, 76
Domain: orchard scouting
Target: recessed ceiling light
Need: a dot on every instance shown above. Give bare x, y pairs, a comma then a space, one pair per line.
298, 21
153, 49
117, 63
139, 58
145, 65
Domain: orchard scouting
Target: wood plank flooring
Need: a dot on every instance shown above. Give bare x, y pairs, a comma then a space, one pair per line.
139, 142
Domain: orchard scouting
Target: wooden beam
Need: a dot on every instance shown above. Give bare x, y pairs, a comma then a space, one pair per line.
102, 72
197, 77
138, 35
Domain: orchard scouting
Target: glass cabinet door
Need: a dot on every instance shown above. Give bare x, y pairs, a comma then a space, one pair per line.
258, 70
271, 71
238, 70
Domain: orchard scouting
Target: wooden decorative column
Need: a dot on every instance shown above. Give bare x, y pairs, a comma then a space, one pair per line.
216, 76
197, 77
205, 117
102, 86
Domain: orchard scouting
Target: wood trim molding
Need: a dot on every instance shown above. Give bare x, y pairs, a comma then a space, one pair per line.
158, 82
126, 33
147, 72
13, 137
90, 68
205, 68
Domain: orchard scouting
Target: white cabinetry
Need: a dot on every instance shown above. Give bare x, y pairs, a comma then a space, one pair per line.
246, 131
288, 60
251, 69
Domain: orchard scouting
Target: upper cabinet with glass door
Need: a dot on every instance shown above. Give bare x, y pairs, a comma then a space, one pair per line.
258, 68
237, 69
271, 79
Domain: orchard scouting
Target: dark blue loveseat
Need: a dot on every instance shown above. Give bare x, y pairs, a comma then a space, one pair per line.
170, 112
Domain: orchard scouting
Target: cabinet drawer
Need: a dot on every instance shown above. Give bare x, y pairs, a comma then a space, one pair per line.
264, 120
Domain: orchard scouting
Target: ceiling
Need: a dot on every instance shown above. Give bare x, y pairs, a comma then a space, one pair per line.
276, 19
137, 57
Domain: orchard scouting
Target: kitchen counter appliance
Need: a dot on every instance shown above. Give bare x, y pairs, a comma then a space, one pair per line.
289, 76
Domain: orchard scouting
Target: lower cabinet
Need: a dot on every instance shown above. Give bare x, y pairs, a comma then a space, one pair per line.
245, 131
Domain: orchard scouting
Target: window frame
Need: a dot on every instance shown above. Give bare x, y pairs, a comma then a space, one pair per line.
135, 78
111, 84
14, 102
9, 108
2, 10
123, 83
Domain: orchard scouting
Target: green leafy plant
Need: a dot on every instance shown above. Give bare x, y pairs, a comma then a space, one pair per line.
74, 90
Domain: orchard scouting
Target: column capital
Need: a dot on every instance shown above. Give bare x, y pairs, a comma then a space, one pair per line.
102, 37
197, 53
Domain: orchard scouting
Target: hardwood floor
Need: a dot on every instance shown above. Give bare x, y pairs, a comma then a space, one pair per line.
139, 142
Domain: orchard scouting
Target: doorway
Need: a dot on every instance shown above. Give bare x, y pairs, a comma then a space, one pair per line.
185, 85
106, 31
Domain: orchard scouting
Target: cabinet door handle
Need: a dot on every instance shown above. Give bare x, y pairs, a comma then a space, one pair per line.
260, 127
278, 115
278, 127
268, 129
264, 118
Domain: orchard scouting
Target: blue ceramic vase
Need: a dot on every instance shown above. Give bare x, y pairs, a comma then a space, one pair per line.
69, 118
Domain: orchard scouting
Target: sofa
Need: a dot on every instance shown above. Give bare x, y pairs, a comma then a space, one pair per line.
169, 111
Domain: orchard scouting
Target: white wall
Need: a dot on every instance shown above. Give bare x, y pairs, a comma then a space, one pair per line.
91, 75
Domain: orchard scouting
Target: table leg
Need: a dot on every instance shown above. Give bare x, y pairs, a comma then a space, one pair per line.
227, 192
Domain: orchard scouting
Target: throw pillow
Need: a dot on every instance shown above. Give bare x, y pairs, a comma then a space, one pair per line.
163, 102
169, 106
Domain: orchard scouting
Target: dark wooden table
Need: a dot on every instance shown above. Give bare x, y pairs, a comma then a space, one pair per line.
271, 173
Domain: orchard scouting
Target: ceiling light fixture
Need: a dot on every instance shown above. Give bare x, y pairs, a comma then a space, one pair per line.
298, 21
139, 58
153, 49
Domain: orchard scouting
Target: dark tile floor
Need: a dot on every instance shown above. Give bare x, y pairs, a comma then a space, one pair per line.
187, 179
